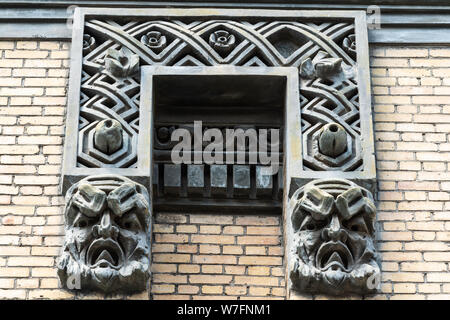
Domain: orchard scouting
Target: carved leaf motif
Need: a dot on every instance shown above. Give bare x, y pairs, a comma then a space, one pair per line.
122, 63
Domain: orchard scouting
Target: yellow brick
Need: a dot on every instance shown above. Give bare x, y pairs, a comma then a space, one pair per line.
171, 238
257, 221
404, 288
214, 259
49, 283
209, 279
216, 239
187, 248
259, 271
210, 229
232, 250
212, 269
205, 248
429, 288
172, 258
233, 230
256, 260
27, 283
12, 294
267, 240
259, 291
264, 230
188, 268
50, 294
187, 229
188, 289
235, 270
163, 288
235, 290
423, 266
256, 280
212, 289
169, 278
163, 268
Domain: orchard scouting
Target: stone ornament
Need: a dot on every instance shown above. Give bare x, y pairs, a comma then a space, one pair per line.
154, 40
329, 94
329, 89
322, 66
108, 136
332, 140
349, 45
88, 43
122, 63
334, 124
108, 232
332, 249
222, 41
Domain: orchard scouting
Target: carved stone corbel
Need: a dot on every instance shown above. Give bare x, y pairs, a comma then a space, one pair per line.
332, 249
108, 232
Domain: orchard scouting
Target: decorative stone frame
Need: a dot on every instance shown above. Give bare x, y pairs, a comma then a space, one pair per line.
72, 173
323, 65
291, 104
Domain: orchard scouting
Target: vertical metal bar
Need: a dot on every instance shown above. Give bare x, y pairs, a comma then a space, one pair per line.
183, 180
207, 181
160, 179
230, 181
275, 186
253, 181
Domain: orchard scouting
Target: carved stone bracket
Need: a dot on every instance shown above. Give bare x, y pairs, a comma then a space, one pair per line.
108, 231
331, 249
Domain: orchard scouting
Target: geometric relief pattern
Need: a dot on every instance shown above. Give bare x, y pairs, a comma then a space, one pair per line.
323, 104
323, 53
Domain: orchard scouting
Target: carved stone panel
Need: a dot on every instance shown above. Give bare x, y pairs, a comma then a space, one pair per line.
108, 231
329, 49
332, 247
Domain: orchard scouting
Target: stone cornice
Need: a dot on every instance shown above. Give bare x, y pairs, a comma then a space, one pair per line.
418, 22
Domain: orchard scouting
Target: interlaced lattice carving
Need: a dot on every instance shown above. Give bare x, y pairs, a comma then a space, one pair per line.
323, 52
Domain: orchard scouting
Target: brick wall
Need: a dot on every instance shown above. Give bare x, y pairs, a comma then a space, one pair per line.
32, 106
228, 256
411, 89
217, 257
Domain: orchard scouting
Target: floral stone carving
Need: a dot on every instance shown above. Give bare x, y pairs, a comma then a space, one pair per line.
222, 40
154, 40
333, 248
108, 231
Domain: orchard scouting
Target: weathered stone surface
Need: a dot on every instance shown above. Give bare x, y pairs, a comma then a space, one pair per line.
108, 232
122, 63
332, 249
333, 140
108, 136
